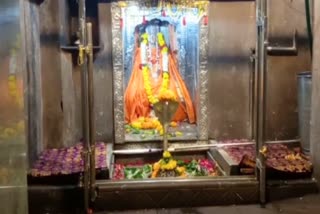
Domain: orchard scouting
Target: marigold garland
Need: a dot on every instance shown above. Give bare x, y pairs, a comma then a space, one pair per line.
164, 94
147, 85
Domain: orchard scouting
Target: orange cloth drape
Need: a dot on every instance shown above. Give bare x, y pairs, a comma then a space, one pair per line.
136, 100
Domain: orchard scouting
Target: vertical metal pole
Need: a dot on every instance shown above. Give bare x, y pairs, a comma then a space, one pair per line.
261, 15
91, 113
252, 95
165, 128
309, 24
165, 137
85, 100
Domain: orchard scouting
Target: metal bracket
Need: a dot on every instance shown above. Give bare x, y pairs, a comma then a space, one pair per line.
83, 50
259, 164
253, 56
260, 20
284, 51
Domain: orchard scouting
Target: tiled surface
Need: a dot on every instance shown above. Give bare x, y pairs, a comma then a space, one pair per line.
309, 204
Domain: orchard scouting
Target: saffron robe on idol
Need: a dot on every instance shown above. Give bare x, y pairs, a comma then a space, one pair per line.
136, 99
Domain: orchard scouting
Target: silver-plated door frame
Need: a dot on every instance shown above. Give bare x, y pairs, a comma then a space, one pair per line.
117, 58
118, 78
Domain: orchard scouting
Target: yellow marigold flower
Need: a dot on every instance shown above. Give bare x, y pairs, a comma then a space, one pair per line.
173, 124
164, 50
181, 170
122, 4
164, 167
161, 40
172, 164
141, 119
168, 166
179, 133
159, 128
11, 78
12, 85
136, 125
144, 38
156, 166
166, 154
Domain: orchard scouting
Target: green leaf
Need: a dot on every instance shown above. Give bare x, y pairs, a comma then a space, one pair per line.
181, 163
138, 172
127, 126
135, 131
147, 170
194, 169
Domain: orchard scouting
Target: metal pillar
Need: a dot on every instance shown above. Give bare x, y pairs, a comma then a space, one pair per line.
85, 61
253, 96
261, 53
91, 113
84, 94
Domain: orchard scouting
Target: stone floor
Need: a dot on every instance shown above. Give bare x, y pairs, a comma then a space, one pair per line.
309, 204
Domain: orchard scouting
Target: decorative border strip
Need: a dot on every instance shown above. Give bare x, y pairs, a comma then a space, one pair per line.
117, 56
202, 108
